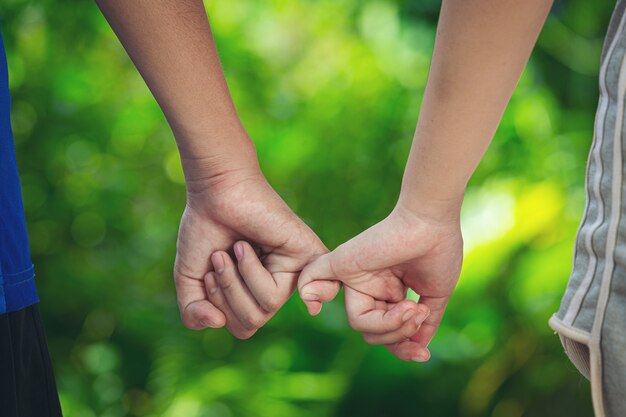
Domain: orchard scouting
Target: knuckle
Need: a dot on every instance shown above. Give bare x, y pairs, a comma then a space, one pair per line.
252, 321
189, 323
401, 353
390, 324
210, 321
395, 351
227, 283
355, 324
304, 279
271, 305
243, 334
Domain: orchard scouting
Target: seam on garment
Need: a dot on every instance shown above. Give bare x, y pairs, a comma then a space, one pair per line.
14, 284
28, 274
571, 332
595, 362
8, 291
17, 273
611, 242
595, 366
579, 296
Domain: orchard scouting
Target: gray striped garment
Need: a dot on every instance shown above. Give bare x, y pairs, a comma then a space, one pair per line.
592, 319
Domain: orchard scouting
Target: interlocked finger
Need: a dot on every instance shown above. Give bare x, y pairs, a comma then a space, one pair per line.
241, 301
268, 293
217, 298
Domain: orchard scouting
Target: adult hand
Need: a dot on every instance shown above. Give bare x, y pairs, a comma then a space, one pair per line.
222, 211
171, 44
405, 250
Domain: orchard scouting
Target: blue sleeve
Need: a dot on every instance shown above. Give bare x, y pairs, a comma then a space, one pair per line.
17, 287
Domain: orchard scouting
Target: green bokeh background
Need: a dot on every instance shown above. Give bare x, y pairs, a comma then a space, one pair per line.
330, 91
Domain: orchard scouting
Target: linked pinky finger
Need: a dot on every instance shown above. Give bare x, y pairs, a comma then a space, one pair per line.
217, 298
320, 292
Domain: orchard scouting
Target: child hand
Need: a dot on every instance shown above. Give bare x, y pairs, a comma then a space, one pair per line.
403, 251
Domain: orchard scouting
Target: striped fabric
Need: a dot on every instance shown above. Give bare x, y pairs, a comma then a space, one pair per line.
592, 319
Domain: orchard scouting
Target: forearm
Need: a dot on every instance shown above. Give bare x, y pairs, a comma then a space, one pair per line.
171, 44
480, 51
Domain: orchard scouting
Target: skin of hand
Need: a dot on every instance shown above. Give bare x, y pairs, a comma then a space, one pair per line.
481, 48
378, 266
480, 51
225, 212
228, 199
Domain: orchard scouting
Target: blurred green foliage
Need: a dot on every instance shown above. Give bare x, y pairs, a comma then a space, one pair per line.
330, 92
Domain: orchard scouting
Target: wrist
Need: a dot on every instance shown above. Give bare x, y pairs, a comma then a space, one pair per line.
437, 210
234, 161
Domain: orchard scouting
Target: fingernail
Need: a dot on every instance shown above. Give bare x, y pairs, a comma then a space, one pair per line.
407, 315
310, 297
238, 250
314, 310
421, 316
206, 324
211, 283
218, 263
423, 356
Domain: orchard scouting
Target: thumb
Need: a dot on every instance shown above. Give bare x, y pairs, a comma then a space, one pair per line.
318, 284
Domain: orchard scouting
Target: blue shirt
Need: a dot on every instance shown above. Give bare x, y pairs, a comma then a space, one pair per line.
17, 275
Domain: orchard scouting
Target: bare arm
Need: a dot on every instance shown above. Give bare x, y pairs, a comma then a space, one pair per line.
171, 44
480, 51
228, 198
